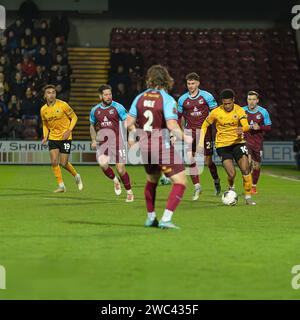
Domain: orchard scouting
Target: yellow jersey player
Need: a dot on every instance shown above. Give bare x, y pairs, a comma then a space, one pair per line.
59, 120
231, 123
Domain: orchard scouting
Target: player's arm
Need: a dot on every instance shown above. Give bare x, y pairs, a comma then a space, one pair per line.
130, 122
73, 117
93, 132
93, 135
171, 117
243, 122
207, 122
45, 129
267, 123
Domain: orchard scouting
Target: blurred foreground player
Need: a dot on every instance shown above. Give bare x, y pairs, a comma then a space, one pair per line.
231, 123
59, 120
154, 112
108, 139
260, 122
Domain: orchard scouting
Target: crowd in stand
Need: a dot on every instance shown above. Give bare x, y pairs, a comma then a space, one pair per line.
32, 53
126, 74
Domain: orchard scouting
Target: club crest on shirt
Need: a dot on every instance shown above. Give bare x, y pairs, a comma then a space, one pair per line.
258, 117
235, 116
201, 101
111, 111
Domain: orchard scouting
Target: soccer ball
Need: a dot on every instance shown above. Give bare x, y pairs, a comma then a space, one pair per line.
230, 198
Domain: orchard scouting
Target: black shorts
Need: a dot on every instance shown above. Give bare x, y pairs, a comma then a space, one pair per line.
64, 146
236, 151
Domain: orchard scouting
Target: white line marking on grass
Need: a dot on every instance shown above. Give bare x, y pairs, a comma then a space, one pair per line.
282, 177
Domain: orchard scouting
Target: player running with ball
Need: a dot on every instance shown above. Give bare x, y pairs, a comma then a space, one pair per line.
231, 123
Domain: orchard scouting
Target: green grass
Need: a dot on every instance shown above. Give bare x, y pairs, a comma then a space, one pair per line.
92, 245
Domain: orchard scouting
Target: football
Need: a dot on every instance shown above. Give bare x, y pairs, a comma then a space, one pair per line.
230, 198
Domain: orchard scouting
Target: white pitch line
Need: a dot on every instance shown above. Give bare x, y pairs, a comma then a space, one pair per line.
282, 177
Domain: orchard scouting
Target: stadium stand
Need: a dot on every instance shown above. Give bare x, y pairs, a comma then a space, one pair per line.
264, 60
32, 53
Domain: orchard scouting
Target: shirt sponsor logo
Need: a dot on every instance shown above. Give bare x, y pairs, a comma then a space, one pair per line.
196, 112
106, 122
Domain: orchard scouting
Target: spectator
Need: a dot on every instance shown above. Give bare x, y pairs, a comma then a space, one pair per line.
18, 86
4, 49
62, 94
3, 121
12, 40
135, 62
28, 42
15, 56
121, 96
43, 58
4, 88
40, 79
29, 108
28, 67
44, 31
119, 77
14, 107
15, 127
17, 27
44, 42
5, 65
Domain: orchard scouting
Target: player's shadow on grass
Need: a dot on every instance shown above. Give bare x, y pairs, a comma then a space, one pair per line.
34, 191
107, 224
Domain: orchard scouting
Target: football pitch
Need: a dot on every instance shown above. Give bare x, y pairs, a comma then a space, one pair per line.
93, 245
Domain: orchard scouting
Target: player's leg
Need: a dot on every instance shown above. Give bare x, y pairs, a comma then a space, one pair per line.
241, 157
64, 162
153, 175
194, 173
179, 185
103, 161
123, 174
225, 153
208, 153
255, 176
228, 165
214, 173
54, 157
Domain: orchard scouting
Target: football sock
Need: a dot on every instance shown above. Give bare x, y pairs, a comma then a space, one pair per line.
71, 169
213, 171
247, 183
197, 186
57, 173
109, 173
150, 193
152, 215
167, 216
175, 196
255, 175
194, 173
230, 182
126, 181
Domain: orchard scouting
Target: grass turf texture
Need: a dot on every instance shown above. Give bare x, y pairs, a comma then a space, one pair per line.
92, 245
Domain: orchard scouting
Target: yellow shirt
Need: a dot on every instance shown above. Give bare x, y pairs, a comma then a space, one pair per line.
57, 119
227, 124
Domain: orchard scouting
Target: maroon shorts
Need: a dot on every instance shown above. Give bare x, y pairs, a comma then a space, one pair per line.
256, 155
116, 153
166, 160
